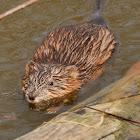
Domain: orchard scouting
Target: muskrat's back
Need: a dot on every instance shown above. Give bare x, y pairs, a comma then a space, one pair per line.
76, 45
69, 57
86, 46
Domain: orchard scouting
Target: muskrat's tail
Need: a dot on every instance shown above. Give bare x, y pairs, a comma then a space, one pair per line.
98, 12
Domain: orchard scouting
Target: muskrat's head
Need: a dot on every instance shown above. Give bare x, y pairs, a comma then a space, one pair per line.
43, 82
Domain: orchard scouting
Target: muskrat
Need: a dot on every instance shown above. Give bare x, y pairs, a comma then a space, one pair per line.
69, 57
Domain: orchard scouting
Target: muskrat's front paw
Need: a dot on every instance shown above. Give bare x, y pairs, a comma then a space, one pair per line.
53, 110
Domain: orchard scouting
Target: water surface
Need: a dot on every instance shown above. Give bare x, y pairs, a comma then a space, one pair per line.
23, 31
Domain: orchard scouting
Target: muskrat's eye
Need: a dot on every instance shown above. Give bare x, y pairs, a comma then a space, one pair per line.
51, 83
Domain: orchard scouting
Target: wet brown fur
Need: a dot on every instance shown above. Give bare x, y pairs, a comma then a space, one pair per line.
86, 46
78, 52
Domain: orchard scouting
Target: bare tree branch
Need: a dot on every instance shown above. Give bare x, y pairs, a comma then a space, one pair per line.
19, 7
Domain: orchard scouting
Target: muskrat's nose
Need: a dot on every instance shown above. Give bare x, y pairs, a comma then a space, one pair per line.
31, 97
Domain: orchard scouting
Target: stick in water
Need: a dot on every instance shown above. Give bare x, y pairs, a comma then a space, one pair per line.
19, 7
119, 117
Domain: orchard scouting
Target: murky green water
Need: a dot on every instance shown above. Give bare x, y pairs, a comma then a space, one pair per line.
22, 32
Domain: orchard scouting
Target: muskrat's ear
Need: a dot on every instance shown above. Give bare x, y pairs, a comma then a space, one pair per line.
31, 67
72, 71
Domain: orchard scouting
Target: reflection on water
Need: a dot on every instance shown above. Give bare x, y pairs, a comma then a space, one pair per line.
22, 32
